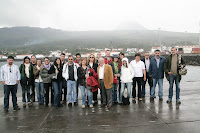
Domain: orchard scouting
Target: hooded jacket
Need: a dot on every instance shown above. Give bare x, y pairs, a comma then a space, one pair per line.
127, 73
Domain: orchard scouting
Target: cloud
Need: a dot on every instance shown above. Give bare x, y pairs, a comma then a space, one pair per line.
173, 15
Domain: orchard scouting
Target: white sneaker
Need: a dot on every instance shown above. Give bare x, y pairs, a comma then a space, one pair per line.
91, 106
83, 106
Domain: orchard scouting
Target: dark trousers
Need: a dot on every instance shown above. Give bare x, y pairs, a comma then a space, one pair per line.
119, 87
7, 90
64, 86
95, 94
150, 82
33, 92
47, 87
139, 83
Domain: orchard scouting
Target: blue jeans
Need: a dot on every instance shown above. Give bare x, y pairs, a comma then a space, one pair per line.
123, 88
57, 87
173, 78
40, 92
7, 90
83, 94
160, 84
114, 92
24, 89
71, 86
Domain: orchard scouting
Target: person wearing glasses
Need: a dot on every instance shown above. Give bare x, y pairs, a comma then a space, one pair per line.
70, 75
47, 80
10, 77
92, 64
26, 70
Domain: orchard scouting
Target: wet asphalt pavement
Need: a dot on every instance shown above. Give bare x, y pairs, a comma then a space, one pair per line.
145, 117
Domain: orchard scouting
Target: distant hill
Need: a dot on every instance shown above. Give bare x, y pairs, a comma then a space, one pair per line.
45, 39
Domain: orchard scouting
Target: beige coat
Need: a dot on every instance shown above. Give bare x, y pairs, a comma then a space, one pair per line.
108, 76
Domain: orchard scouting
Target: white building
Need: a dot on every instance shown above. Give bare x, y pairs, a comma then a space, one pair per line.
114, 53
154, 48
55, 53
3, 57
22, 56
40, 56
132, 50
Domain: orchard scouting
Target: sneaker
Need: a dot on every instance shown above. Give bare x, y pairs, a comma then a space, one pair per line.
83, 106
178, 102
134, 101
30, 104
75, 103
160, 99
16, 108
69, 104
169, 101
91, 106
64, 102
103, 105
151, 99
109, 106
6, 110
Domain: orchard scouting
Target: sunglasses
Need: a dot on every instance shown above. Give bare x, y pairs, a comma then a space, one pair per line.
70, 59
91, 57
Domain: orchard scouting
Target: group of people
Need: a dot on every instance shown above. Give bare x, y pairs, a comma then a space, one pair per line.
115, 77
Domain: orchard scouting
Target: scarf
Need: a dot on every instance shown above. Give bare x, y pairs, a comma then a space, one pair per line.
47, 66
27, 69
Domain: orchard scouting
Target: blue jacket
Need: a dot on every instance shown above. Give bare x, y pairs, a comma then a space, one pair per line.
154, 71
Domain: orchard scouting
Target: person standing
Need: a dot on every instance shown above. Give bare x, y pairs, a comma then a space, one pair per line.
64, 85
33, 63
116, 67
173, 64
46, 80
98, 56
27, 78
77, 61
146, 61
127, 75
10, 77
56, 78
70, 75
139, 75
105, 80
92, 64
107, 59
37, 71
85, 72
156, 71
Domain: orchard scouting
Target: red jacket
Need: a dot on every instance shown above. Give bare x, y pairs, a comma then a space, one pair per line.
92, 80
106, 61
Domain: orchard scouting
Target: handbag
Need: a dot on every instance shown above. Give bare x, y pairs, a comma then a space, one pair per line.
115, 80
182, 71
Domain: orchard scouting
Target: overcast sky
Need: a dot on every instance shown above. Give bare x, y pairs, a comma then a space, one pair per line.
170, 15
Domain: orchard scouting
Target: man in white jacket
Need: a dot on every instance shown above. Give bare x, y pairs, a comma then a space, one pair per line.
70, 75
127, 74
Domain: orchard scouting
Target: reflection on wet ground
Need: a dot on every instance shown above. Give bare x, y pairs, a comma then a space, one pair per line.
145, 117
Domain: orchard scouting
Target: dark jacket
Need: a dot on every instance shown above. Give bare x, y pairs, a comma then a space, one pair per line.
81, 75
95, 65
168, 63
24, 80
113, 68
59, 76
143, 59
154, 71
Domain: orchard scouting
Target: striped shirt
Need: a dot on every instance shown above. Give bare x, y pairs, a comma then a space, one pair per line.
10, 74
